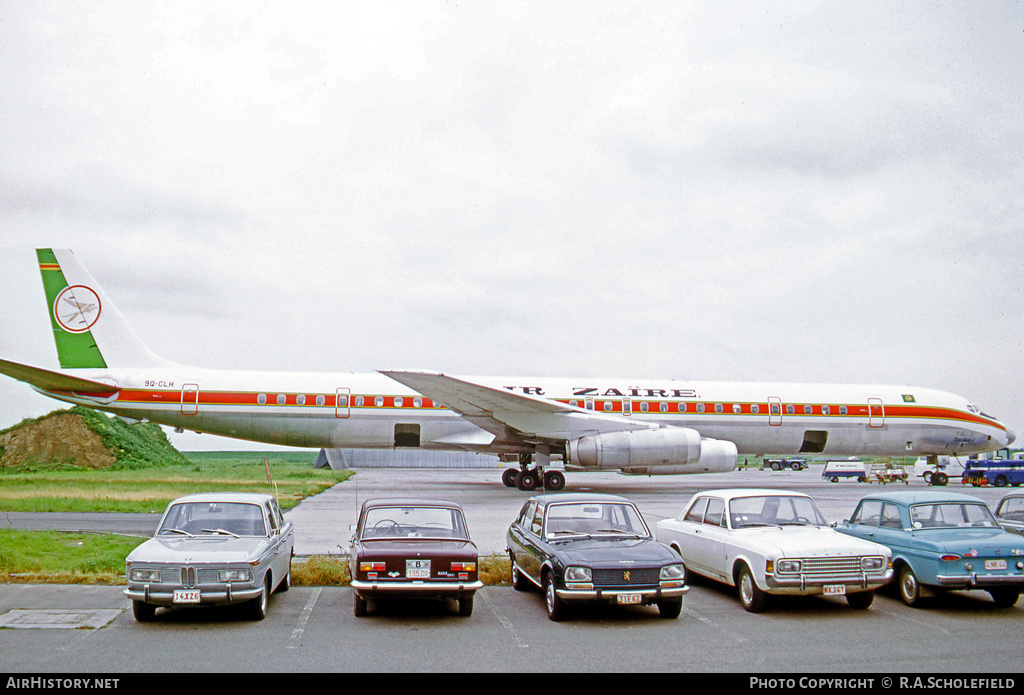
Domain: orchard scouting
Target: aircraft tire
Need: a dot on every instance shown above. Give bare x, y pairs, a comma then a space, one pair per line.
508, 477
526, 481
554, 481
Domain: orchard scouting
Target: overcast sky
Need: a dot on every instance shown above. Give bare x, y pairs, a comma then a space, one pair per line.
798, 191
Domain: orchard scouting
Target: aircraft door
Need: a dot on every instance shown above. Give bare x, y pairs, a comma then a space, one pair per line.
774, 411
190, 399
342, 400
876, 413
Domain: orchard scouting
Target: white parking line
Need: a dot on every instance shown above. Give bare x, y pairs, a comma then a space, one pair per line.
504, 621
303, 618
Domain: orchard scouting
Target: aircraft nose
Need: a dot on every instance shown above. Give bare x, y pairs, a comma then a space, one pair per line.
1011, 437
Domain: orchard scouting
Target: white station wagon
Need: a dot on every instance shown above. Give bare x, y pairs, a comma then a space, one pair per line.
774, 542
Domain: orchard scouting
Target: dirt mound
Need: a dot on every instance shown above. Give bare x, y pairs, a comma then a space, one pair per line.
62, 438
85, 438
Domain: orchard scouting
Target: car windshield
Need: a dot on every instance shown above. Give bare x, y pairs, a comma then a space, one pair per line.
774, 510
213, 519
593, 519
414, 522
951, 515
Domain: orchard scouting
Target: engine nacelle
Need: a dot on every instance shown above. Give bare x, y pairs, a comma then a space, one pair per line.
667, 446
716, 456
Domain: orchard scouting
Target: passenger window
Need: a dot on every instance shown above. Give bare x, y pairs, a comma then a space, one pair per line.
890, 516
790, 409
682, 408
281, 399
608, 406
300, 399
737, 408
696, 512
843, 410
538, 520
663, 406
718, 407
261, 399
716, 512
399, 401
755, 408
808, 410
700, 407
321, 399
868, 514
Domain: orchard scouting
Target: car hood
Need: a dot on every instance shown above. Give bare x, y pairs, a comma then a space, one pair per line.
613, 551
205, 550
812, 541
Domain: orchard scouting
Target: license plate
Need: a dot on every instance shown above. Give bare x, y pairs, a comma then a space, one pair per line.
417, 569
835, 590
628, 599
183, 596
995, 564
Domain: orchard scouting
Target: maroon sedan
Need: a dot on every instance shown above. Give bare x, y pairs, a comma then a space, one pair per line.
410, 548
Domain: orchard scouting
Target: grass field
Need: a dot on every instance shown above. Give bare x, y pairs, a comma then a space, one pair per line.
150, 489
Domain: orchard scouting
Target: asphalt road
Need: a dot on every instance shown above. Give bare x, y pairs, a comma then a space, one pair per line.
313, 630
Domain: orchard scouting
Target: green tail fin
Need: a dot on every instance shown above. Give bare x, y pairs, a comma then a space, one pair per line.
73, 310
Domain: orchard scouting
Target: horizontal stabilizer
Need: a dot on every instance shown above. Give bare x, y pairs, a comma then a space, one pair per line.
45, 380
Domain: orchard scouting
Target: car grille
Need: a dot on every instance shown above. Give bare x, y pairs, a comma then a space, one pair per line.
626, 577
829, 566
188, 577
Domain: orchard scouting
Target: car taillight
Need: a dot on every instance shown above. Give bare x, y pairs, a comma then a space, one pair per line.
949, 558
463, 567
372, 566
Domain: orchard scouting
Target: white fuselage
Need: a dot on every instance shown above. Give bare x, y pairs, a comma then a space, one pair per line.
370, 410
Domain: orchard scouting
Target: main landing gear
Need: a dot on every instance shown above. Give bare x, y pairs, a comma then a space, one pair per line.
529, 478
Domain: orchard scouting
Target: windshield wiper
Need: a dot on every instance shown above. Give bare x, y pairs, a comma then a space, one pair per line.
220, 530
177, 530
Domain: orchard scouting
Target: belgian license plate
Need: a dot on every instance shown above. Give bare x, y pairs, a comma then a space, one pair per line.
417, 569
995, 564
628, 599
186, 596
835, 590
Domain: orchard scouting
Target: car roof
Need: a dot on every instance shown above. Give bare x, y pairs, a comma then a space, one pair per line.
922, 497
244, 497
748, 492
408, 502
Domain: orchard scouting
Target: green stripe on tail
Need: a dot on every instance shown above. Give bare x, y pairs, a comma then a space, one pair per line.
76, 350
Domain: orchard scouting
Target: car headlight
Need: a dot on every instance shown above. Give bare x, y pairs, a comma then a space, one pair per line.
872, 564
144, 575
787, 566
672, 573
233, 575
578, 574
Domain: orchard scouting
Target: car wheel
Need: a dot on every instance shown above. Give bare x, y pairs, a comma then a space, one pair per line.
519, 582
861, 600
554, 481
670, 608
752, 598
359, 606
1001, 481
466, 606
555, 605
286, 583
1004, 598
143, 611
940, 479
258, 606
910, 588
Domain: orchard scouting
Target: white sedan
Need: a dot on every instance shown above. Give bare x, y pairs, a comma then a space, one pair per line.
774, 542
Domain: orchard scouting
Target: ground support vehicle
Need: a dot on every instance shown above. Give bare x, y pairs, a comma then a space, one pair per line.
845, 469
886, 473
774, 542
941, 540
782, 464
213, 549
412, 548
579, 548
980, 472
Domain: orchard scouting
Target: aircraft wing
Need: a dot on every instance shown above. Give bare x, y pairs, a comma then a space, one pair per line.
45, 380
512, 416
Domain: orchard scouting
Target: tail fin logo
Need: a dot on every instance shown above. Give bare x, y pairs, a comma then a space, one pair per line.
77, 308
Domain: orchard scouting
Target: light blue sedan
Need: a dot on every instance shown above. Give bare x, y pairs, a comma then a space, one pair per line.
941, 540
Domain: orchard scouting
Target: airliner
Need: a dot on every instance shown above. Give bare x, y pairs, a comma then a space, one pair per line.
546, 425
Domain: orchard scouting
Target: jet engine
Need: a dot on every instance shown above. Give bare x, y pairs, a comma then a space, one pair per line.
665, 450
